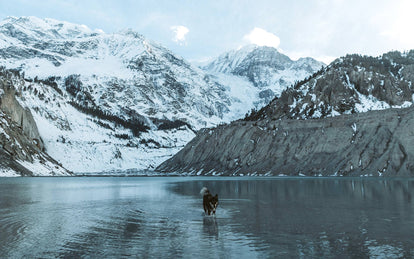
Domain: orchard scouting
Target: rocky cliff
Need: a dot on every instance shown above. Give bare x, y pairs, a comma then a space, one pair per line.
10, 106
21, 147
372, 143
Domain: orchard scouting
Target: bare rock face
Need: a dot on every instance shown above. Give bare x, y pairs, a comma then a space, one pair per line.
21, 148
22, 116
372, 143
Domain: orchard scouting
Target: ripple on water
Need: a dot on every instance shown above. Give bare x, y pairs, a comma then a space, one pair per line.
12, 227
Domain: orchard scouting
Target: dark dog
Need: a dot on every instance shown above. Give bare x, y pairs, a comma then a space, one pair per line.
210, 202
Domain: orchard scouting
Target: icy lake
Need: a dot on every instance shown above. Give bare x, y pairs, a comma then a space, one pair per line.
159, 217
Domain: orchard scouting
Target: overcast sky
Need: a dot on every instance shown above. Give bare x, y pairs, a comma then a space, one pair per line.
198, 29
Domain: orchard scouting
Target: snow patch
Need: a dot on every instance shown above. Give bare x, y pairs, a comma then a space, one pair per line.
7, 172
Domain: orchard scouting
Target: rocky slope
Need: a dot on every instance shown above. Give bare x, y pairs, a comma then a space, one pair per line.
324, 125
371, 143
268, 71
21, 147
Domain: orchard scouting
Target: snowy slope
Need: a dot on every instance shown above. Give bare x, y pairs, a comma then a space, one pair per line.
85, 143
108, 101
265, 68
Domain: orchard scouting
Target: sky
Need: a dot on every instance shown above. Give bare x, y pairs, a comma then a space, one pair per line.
201, 29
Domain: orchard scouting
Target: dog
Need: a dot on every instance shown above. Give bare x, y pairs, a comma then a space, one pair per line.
210, 202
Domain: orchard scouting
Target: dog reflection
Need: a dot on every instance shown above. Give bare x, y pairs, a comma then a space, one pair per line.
210, 227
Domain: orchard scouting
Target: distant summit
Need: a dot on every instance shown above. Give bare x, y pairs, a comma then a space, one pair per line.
265, 67
25, 28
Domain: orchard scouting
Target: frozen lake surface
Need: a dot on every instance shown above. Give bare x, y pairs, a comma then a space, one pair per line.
161, 217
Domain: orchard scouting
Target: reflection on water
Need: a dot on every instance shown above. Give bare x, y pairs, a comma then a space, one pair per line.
210, 226
256, 217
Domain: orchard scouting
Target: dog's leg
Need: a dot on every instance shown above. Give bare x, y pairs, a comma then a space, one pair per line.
205, 208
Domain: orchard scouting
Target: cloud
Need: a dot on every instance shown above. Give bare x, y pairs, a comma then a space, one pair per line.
179, 34
262, 37
398, 25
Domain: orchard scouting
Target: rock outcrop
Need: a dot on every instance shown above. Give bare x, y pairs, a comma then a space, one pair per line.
372, 143
21, 148
22, 116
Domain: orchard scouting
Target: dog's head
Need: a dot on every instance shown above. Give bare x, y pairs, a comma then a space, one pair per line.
214, 203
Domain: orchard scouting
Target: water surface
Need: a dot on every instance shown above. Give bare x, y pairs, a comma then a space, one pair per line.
163, 216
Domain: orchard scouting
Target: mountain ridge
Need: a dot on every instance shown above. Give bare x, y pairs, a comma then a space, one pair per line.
267, 69
352, 118
351, 84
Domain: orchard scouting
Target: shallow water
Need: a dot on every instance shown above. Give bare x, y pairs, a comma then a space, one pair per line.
163, 217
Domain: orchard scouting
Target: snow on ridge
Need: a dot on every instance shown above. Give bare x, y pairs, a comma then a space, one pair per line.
87, 54
7, 172
53, 28
227, 61
265, 70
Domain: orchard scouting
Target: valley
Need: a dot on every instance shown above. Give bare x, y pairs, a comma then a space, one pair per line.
109, 102
98, 103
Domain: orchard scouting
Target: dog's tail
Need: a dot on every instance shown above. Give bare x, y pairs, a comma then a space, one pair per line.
203, 191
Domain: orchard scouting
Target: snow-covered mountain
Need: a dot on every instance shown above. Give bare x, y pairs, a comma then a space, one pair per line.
267, 71
108, 101
117, 101
102, 69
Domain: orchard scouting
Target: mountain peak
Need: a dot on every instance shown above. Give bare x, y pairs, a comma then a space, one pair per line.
229, 61
46, 28
253, 47
266, 68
